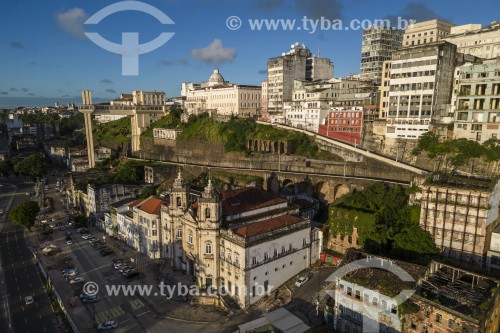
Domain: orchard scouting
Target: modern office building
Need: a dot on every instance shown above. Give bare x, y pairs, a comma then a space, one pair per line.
426, 32
384, 89
377, 46
420, 87
297, 64
477, 108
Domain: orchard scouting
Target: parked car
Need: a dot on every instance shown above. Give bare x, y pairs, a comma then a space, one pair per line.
88, 298
119, 265
70, 242
68, 269
124, 268
69, 274
131, 274
128, 270
28, 300
77, 280
106, 252
301, 281
110, 324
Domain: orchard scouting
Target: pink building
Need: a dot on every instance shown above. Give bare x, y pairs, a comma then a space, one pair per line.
344, 124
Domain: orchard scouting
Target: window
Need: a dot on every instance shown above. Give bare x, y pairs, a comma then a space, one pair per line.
439, 317
275, 252
254, 260
375, 301
154, 233
237, 260
190, 238
266, 256
451, 323
179, 233
208, 248
179, 201
207, 213
229, 256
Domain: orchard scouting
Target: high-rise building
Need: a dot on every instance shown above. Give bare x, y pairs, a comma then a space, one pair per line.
377, 46
297, 64
384, 89
426, 32
474, 40
477, 109
420, 87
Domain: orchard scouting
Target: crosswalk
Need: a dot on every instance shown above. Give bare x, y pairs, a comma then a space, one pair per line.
136, 304
109, 314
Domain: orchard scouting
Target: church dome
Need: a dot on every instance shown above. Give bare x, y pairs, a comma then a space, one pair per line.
216, 77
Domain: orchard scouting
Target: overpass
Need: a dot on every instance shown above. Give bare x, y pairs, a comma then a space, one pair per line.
348, 151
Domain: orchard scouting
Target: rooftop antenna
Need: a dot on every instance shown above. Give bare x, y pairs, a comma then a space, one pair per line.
318, 52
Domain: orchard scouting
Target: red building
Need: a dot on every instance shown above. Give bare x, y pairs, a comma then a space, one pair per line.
344, 124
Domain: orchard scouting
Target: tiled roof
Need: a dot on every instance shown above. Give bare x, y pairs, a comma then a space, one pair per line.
135, 203
247, 199
262, 227
151, 205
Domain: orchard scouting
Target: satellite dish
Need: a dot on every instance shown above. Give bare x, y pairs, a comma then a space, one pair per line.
292, 46
283, 54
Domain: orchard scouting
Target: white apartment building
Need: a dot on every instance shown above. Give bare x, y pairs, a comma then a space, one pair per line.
244, 240
477, 108
426, 32
477, 41
493, 254
224, 98
419, 88
166, 133
296, 64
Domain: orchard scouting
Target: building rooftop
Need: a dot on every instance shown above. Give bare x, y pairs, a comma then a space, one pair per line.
382, 279
460, 182
248, 199
135, 203
265, 226
151, 205
466, 292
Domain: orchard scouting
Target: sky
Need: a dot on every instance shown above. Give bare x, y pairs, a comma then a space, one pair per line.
45, 52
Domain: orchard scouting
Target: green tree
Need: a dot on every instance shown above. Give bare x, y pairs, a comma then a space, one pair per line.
34, 166
25, 214
129, 172
6, 168
148, 191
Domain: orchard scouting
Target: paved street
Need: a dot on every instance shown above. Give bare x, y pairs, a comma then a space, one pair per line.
19, 276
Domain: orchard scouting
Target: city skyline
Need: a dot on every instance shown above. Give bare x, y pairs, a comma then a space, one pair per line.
60, 61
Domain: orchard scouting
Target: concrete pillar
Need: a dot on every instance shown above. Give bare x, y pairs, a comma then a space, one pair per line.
90, 139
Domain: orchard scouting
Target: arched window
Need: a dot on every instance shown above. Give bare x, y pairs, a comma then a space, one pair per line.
190, 237
178, 201
236, 259
179, 233
207, 213
229, 256
208, 248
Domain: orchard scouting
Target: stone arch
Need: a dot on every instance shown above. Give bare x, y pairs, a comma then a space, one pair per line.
340, 190
288, 183
324, 193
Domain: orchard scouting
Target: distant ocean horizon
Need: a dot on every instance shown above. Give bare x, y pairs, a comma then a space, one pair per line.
7, 102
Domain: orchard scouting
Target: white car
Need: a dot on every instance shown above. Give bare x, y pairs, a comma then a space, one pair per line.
77, 280
69, 274
28, 300
107, 325
301, 281
69, 242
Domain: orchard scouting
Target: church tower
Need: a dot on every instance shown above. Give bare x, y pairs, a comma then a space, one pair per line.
210, 208
179, 195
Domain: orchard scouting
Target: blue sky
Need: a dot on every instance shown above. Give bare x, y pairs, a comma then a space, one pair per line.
45, 54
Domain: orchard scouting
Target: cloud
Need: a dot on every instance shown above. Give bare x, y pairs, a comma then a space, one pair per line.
106, 81
268, 5
315, 9
13, 89
215, 53
415, 11
111, 91
3, 93
31, 94
263, 71
72, 21
168, 63
25, 90
16, 45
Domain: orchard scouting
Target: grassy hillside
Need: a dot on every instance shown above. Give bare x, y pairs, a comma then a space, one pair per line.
117, 131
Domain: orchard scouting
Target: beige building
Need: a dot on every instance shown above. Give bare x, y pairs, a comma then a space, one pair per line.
477, 108
426, 32
297, 64
460, 215
474, 40
145, 234
247, 241
223, 98
384, 89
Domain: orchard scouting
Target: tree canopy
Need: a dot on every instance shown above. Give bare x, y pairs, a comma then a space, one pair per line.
385, 222
35, 165
25, 214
